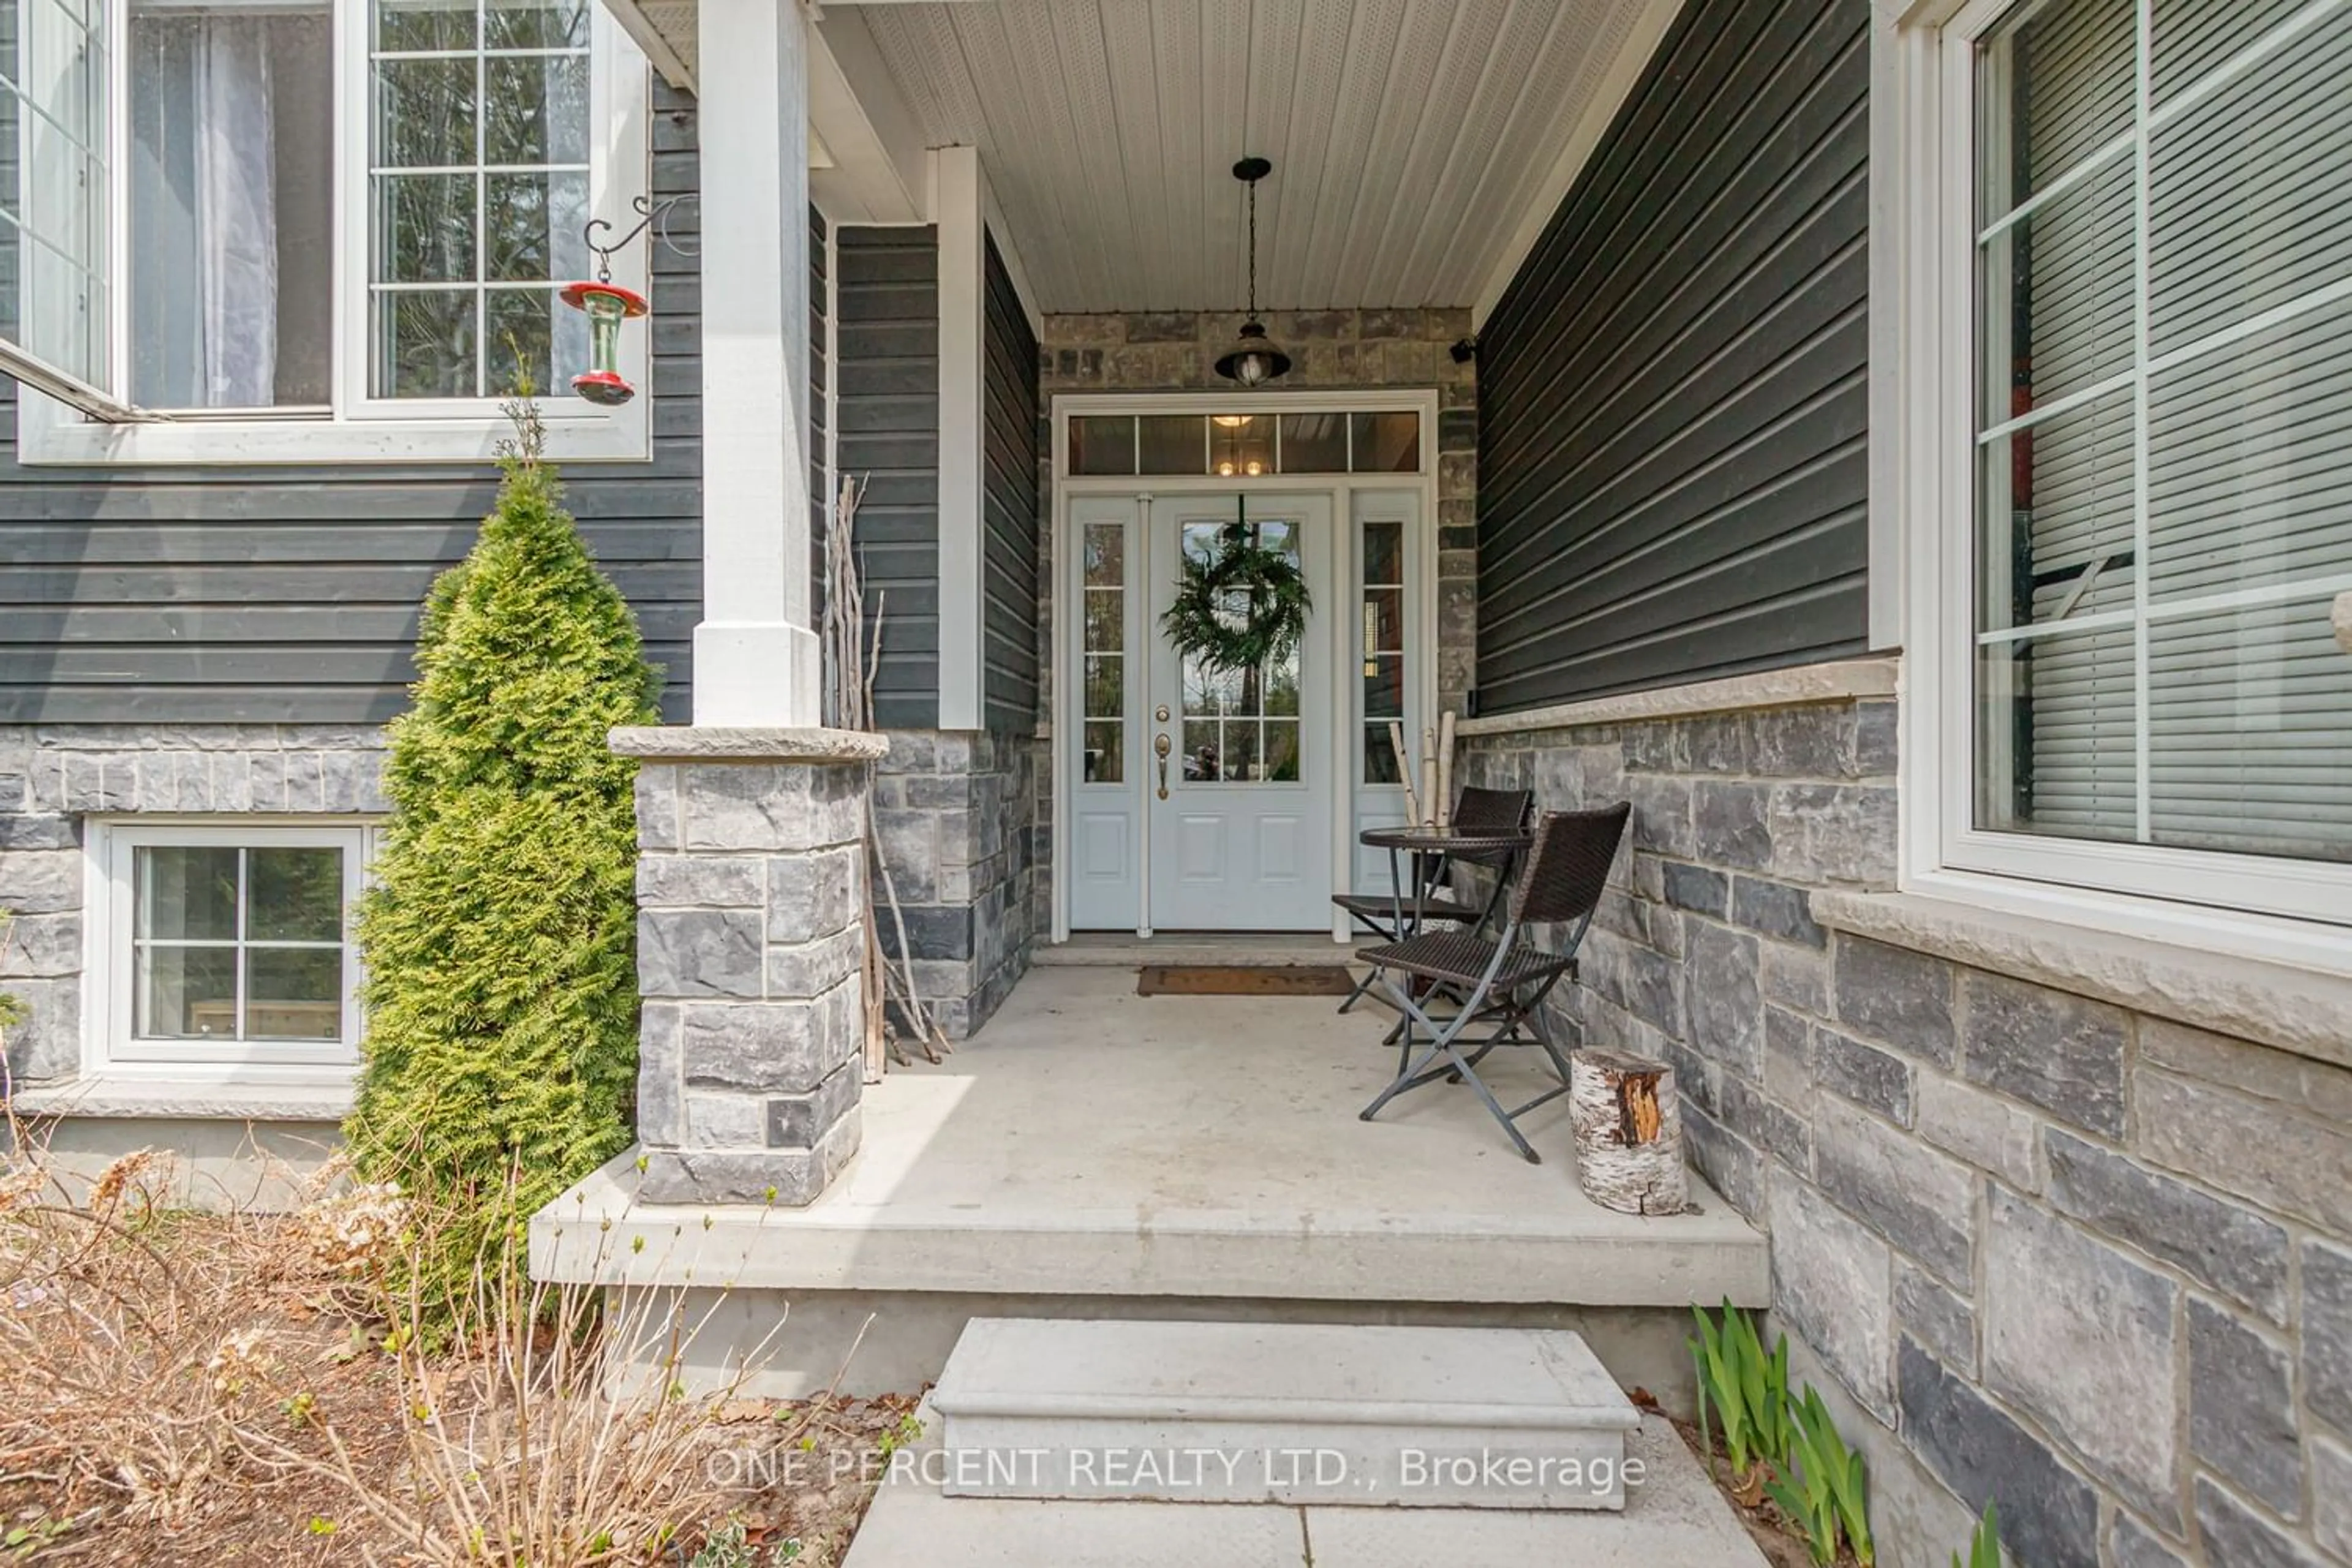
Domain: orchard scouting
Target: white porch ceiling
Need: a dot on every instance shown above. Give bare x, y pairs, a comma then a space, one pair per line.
1411, 139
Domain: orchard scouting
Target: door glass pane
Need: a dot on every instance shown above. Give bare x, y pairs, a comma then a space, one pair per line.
1241, 443
232, 183
1227, 736
1379, 634
1102, 444
1313, 443
1103, 638
1172, 444
1385, 443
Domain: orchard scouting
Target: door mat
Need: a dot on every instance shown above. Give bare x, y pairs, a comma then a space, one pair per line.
1263, 980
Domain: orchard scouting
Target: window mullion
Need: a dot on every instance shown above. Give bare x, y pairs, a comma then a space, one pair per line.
237, 959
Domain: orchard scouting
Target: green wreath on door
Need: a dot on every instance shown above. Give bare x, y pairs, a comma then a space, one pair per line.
1241, 610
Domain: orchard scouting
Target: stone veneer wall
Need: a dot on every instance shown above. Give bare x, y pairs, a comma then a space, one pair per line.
2035, 1248
52, 777
961, 825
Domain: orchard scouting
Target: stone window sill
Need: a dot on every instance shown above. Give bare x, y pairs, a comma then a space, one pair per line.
186, 1099
2282, 1005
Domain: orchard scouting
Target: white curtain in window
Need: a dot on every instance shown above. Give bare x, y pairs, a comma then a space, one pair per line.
205, 211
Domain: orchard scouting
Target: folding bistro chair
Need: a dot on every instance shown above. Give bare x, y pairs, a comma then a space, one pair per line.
1502, 984
1377, 912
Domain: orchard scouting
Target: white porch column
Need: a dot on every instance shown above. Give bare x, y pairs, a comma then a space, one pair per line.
756, 658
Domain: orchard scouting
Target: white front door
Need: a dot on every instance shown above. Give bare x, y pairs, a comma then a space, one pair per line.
1238, 763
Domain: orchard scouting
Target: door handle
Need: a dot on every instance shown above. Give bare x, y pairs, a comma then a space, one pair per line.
1159, 749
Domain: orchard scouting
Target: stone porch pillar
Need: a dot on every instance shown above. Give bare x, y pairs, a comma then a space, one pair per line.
751, 897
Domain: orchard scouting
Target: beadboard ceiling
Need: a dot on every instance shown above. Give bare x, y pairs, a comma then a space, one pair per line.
1410, 138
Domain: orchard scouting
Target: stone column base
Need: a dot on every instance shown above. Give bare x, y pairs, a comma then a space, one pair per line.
751, 936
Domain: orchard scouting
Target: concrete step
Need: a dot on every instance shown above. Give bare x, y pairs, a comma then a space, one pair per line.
1281, 1412
1673, 1518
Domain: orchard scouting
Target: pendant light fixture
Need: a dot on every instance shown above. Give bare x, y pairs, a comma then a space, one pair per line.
1253, 360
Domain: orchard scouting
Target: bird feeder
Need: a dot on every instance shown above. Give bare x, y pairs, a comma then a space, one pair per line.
606, 305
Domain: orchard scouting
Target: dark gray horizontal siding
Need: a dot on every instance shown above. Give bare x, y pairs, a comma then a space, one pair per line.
820, 383
1672, 394
1009, 506
287, 595
887, 417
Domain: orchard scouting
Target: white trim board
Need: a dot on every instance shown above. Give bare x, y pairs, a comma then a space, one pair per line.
959, 206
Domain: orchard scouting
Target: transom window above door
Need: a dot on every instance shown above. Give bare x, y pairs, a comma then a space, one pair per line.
1244, 445
315, 218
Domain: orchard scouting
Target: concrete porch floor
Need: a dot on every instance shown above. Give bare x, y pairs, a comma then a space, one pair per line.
1176, 1156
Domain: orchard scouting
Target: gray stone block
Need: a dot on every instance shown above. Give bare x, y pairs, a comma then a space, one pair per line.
1895, 995
2136, 1545
1776, 909
801, 1120
1830, 1283
813, 896
1983, 1129
100, 783
306, 789
1876, 740
2241, 1408
40, 830
1815, 741
2220, 1245
734, 808
719, 1121
1728, 824
1712, 744
1661, 822
2316, 1088
700, 881
14, 792
813, 968
660, 1104
1939, 1318
2064, 1054
1729, 1163
700, 953
47, 1047
657, 806
1720, 993
2297, 1165
1636, 978
34, 946
41, 882
2331, 1497
1795, 977
1778, 1131
2062, 1312
789, 1177
1834, 833
1787, 1057
1914, 1197
1875, 1079
2236, 1536
2327, 1322
2049, 1515
759, 1047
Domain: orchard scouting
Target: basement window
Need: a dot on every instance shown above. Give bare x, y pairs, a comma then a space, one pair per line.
229, 946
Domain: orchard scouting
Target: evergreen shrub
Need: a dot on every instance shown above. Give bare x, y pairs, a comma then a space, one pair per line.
499, 1063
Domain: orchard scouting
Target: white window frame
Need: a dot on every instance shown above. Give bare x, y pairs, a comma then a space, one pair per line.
362, 429
109, 1046
1924, 215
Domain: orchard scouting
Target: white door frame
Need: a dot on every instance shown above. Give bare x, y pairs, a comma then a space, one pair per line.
1421, 666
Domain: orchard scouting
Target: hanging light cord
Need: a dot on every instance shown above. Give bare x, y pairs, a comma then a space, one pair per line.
1253, 250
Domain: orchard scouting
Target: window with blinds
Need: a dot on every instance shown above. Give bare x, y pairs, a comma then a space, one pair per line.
2163, 435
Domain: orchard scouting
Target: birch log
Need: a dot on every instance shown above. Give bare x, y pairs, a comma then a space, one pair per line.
1432, 813
1406, 774
1629, 1133
1445, 770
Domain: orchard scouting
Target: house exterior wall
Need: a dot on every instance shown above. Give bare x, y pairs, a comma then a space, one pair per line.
886, 414
2090, 1264
53, 778
1673, 458
1010, 557
276, 595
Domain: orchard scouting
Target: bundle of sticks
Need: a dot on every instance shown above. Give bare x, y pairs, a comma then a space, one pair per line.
1428, 780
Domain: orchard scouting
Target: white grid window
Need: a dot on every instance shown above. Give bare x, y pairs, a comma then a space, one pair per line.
229, 946
2163, 432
